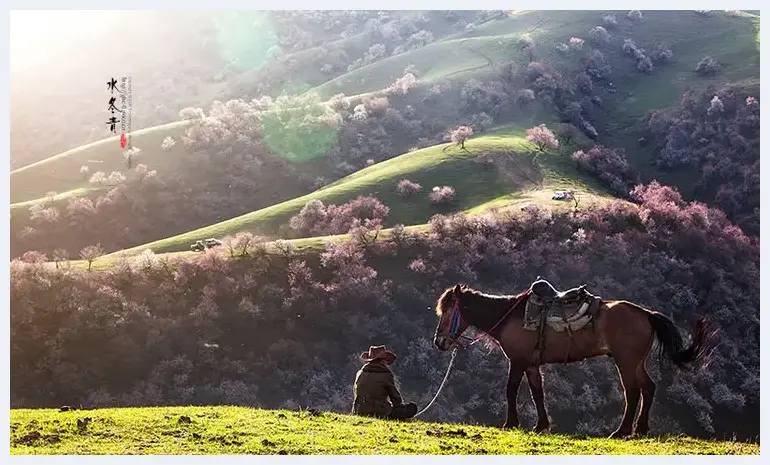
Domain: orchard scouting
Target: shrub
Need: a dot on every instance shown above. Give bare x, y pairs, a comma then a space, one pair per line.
168, 143
525, 96
610, 165
610, 20
599, 35
661, 53
407, 188
716, 106
707, 67
443, 194
34, 257
576, 43
98, 178
402, 84
317, 219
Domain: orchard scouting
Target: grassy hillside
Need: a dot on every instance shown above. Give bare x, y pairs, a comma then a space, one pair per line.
61, 173
240, 430
519, 181
732, 40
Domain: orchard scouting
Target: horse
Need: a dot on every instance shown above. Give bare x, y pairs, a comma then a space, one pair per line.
621, 330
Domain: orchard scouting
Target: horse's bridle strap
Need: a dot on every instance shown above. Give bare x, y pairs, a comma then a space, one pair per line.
456, 320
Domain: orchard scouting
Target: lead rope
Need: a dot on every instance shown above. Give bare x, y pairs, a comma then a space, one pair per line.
446, 376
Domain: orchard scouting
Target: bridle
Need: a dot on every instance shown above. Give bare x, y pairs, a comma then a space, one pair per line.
456, 336
456, 320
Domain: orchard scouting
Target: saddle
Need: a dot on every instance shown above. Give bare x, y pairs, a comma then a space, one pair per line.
569, 310
546, 291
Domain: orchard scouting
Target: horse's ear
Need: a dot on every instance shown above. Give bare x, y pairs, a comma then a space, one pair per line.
457, 289
464, 286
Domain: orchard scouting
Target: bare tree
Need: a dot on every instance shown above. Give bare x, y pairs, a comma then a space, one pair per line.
575, 202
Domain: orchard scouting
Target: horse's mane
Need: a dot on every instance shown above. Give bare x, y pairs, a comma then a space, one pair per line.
465, 290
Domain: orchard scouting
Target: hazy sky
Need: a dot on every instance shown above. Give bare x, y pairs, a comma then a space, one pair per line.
39, 38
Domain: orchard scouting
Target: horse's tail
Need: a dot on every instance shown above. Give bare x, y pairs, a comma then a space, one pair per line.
672, 344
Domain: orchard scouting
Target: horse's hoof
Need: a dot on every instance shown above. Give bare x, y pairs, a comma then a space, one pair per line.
541, 428
620, 435
510, 426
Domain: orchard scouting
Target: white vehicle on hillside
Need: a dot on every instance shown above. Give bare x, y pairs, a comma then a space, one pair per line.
562, 195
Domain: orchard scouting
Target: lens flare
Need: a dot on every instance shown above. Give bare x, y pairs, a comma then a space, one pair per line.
246, 39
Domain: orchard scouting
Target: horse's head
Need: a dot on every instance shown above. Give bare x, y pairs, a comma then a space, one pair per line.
451, 324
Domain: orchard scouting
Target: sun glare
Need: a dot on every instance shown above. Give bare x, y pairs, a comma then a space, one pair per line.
35, 35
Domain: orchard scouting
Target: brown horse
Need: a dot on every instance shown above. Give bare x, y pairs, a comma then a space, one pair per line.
621, 330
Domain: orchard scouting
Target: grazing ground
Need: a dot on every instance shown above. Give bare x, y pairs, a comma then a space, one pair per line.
240, 430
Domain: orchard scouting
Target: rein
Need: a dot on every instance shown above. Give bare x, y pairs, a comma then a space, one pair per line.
455, 322
446, 376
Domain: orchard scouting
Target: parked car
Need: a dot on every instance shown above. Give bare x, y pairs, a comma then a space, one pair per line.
200, 246
562, 195
211, 242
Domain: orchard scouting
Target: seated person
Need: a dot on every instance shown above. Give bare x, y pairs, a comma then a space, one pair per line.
375, 384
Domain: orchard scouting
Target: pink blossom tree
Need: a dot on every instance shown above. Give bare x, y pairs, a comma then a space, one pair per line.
576, 43
318, 219
33, 256
460, 134
542, 137
240, 244
91, 253
443, 194
407, 188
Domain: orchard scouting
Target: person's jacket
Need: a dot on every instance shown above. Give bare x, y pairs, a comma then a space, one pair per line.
374, 385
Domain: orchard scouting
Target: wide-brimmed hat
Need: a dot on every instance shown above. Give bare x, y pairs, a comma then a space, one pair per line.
378, 353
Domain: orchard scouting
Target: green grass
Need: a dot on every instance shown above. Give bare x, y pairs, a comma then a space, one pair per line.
438, 165
436, 61
241, 430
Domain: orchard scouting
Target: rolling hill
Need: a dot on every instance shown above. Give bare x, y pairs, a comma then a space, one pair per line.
61, 173
477, 187
731, 39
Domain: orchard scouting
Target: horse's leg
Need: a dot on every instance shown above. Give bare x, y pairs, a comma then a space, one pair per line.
627, 373
515, 372
535, 380
628, 334
647, 386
